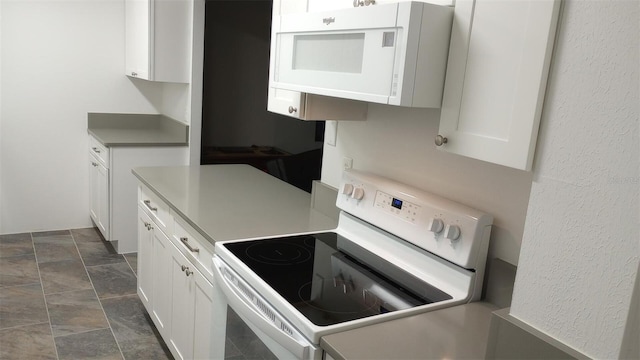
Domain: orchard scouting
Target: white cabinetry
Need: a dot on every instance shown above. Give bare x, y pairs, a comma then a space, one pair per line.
99, 186
497, 71
192, 304
306, 106
145, 266
158, 41
175, 279
112, 186
153, 267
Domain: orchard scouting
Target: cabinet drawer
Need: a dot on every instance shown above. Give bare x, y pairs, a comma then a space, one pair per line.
100, 151
157, 209
189, 240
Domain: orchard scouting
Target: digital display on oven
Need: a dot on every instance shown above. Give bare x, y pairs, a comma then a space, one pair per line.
396, 203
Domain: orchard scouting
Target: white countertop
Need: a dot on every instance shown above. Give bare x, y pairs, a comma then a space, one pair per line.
229, 202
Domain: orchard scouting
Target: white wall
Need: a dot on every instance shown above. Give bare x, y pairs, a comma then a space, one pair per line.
1, 113
60, 60
580, 251
398, 143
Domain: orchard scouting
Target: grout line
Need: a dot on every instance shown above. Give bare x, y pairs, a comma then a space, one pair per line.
23, 325
44, 296
97, 297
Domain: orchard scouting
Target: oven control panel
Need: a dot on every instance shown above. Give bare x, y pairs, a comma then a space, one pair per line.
403, 209
441, 226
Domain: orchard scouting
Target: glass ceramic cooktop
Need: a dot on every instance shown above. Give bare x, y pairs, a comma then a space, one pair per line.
330, 279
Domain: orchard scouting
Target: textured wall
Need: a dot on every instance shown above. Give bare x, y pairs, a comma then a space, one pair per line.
580, 249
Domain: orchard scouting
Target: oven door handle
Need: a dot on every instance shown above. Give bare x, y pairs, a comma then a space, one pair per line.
253, 314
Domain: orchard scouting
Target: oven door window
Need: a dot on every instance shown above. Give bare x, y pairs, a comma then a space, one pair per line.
242, 342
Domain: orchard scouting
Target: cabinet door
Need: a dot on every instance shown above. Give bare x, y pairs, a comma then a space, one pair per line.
203, 318
145, 259
99, 195
161, 282
103, 201
157, 40
281, 7
138, 44
183, 293
496, 77
94, 197
286, 102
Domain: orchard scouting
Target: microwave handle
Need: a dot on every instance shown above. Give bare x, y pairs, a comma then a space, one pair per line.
251, 313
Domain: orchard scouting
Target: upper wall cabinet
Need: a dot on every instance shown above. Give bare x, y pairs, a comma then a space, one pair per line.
157, 40
324, 5
497, 71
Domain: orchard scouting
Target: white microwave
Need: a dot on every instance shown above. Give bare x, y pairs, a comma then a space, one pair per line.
390, 54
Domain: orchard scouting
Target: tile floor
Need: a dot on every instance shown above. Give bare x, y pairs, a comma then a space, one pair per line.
69, 295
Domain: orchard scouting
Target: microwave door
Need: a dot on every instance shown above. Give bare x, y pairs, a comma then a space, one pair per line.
354, 64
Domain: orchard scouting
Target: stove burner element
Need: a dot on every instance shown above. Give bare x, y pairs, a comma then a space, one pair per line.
278, 253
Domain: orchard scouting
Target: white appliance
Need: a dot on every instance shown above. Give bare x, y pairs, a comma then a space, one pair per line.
397, 251
390, 54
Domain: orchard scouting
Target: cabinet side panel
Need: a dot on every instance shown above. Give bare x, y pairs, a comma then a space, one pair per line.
124, 187
172, 43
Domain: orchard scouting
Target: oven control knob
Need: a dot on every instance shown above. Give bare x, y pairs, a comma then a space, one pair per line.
436, 225
347, 189
358, 193
452, 232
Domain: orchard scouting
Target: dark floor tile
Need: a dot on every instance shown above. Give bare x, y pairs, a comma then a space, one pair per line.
51, 251
53, 238
128, 318
32, 342
19, 270
62, 276
86, 235
22, 305
132, 259
50, 233
97, 344
148, 347
112, 280
94, 253
15, 245
74, 312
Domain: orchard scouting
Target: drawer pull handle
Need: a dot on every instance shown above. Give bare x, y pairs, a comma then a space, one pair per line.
185, 241
148, 203
95, 149
94, 164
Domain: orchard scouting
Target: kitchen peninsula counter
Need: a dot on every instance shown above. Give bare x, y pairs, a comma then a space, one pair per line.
113, 130
229, 202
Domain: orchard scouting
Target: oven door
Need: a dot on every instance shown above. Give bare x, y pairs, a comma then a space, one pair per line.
251, 326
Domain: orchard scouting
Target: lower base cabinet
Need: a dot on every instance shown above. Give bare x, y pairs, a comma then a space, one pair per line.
176, 294
191, 307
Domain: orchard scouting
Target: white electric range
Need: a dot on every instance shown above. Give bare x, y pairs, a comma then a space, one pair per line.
397, 251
